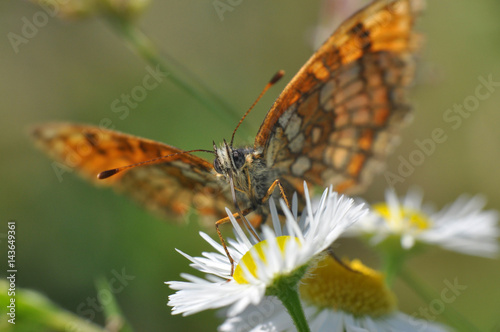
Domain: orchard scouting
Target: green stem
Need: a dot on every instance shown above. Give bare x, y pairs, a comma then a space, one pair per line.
115, 320
175, 72
393, 260
288, 294
35, 310
64, 321
451, 316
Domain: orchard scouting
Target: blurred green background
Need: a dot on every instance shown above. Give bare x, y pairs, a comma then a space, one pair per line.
69, 232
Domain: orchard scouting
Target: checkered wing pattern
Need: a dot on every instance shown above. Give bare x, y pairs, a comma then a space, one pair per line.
338, 118
168, 189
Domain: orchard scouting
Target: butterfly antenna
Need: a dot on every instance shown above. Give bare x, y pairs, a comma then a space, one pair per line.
273, 80
110, 172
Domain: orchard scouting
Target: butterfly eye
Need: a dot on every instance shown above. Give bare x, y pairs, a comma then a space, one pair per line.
217, 167
238, 158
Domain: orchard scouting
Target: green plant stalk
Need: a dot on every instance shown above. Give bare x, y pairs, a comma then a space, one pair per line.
289, 296
451, 316
285, 288
34, 308
177, 74
393, 258
65, 321
112, 312
393, 265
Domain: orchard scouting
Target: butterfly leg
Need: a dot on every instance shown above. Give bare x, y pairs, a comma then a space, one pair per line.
223, 221
330, 252
271, 190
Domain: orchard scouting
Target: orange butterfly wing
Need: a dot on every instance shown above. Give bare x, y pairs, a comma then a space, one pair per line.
169, 188
338, 118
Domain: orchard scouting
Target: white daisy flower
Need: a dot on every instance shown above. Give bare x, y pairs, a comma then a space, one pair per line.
284, 252
335, 297
461, 226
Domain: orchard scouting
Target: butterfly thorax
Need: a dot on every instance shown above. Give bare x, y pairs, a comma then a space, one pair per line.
250, 175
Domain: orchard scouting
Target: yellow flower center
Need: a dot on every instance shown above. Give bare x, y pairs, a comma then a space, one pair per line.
405, 218
351, 287
249, 261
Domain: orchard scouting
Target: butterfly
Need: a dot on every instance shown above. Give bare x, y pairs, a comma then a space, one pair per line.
334, 124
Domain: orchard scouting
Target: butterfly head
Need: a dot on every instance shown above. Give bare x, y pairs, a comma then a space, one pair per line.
229, 161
